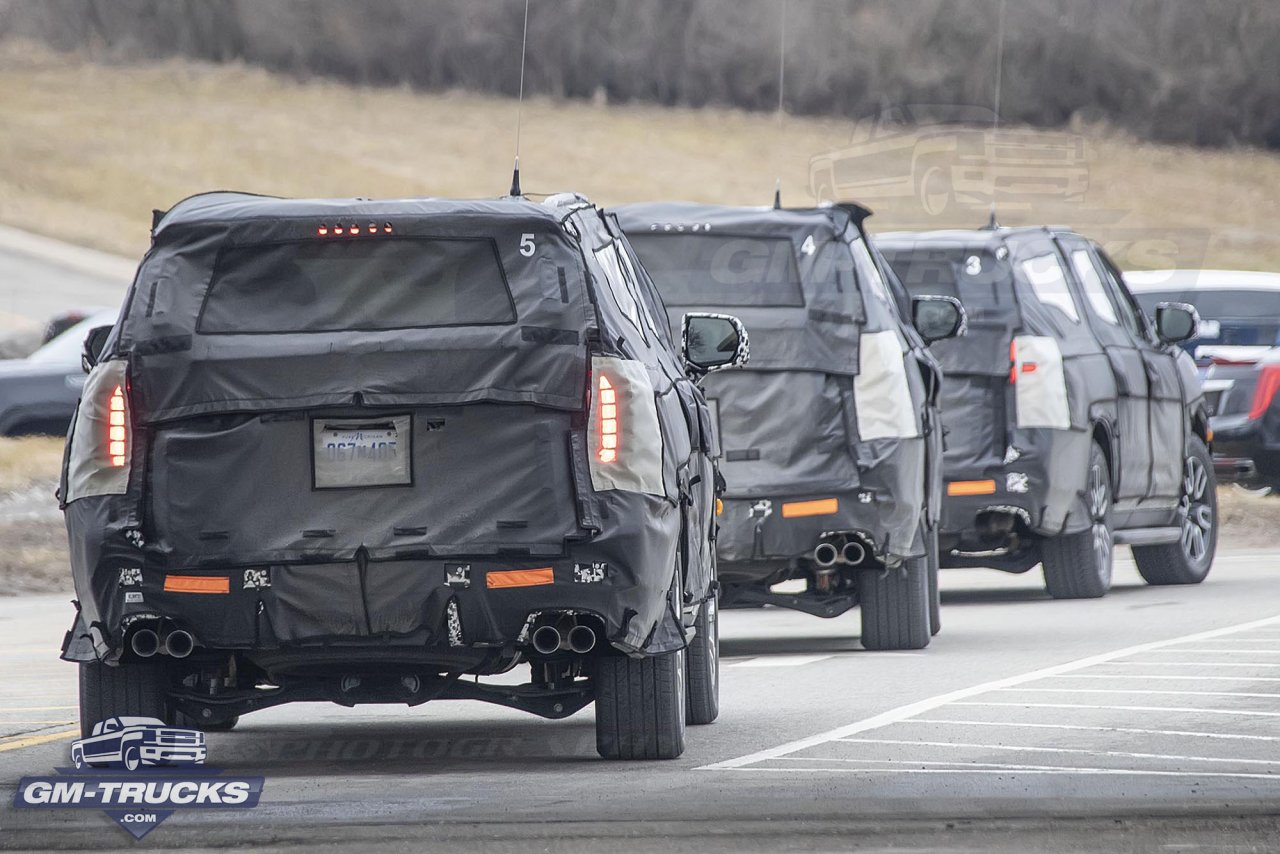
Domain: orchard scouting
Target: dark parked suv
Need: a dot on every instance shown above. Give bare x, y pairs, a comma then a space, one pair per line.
1072, 423
355, 451
831, 448
1237, 349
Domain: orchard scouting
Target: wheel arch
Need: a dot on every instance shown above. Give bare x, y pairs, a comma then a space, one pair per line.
1104, 434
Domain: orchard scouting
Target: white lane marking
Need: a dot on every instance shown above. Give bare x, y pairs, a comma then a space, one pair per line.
1133, 730
1197, 677
1000, 767
1216, 651
1191, 664
929, 704
1134, 691
780, 661
1046, 771
1075, 750
1239, 713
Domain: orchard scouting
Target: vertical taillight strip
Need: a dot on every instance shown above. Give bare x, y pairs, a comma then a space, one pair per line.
117, 428
608, 403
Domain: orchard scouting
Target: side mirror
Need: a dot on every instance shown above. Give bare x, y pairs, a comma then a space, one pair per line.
93, 344
938, 317
1176, 322
711, 342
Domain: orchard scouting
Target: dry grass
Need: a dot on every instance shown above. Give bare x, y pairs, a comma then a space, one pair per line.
87, 150
28, 462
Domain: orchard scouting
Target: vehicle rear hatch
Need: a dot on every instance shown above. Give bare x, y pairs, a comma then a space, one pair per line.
311, 392
975, 400
786, 419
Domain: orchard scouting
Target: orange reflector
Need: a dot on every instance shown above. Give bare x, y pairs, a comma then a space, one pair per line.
819, 507
197, 584
519, 578
1208, 436
971, 487
719, 506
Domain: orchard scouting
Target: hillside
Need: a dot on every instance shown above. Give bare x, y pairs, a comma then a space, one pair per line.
87, 150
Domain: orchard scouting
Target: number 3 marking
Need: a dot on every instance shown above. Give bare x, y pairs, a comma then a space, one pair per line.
526, 245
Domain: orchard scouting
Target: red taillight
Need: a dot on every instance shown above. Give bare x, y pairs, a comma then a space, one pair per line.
608, 421
1026, 367
117, 428
1265, 391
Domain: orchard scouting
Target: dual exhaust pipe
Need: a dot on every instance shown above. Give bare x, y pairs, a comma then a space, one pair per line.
851, 552
178, 643
548, 639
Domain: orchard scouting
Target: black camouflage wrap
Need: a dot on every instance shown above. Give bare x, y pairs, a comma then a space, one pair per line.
789, 420
219, 481
1137, 398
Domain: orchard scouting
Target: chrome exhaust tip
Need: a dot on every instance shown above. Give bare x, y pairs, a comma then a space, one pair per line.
582, 639
853, 552
145, 643
546, 639
179, 643
825, 554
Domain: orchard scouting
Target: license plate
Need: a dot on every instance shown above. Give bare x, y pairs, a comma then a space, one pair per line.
347, 453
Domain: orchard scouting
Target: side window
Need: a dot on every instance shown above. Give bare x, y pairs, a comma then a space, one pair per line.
1128, 310
643, 296
1049, 283
1094, 290
611, 261
868, 272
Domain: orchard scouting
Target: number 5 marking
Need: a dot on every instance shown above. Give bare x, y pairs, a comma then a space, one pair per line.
526, 245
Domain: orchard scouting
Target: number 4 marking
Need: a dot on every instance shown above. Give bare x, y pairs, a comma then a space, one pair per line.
526, 245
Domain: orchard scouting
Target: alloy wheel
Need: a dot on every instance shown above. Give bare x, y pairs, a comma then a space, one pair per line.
1099, 508
1195, 510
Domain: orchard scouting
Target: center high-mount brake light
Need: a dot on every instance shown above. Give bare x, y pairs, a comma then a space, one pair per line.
1265, 391
340, 230
608, 421
116, 429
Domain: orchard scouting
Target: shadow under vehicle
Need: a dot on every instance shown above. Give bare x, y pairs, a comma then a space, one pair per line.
1072, 422
1237, 349
831, 441
353, 451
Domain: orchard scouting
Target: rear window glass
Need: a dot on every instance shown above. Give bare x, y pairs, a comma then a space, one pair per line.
335, 285
975, 277
721, 269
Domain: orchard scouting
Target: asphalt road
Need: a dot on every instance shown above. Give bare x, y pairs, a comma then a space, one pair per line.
40, 277
1144, 721
1147, 720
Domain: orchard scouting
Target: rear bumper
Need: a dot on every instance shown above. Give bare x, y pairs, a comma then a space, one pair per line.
1039, 492
459, 608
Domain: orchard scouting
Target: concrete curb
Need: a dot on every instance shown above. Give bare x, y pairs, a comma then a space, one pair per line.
79, 258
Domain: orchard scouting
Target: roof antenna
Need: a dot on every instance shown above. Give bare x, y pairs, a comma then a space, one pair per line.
992, 223
782, 79
524, 42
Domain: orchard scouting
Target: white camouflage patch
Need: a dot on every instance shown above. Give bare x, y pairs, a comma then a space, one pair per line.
256, 578
1016, 482
130, 576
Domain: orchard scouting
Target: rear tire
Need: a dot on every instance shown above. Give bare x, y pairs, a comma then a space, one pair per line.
137, 689
704, 665
935, 592
1078, 566
895, 606
640, 706
1188, 560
